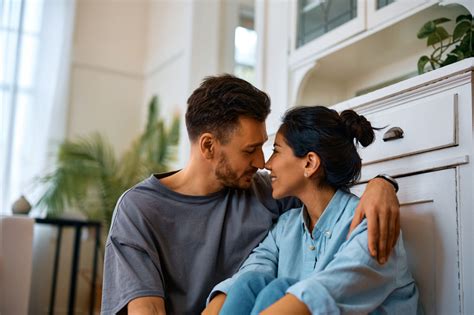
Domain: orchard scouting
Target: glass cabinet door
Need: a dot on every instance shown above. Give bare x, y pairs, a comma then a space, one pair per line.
382, 11
321, 24
383, 3
318, 17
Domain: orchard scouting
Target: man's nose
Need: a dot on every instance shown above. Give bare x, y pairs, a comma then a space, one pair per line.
259, 160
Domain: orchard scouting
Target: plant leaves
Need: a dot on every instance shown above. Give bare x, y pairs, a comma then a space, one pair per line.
89, 178
458, 53
464, 17
439, 35
427, 29
441, 20
461, 29
422, 63
451, 58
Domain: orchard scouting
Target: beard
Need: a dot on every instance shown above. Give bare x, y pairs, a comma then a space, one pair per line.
229, 177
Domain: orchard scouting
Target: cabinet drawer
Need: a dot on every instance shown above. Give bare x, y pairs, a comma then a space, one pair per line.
427, 124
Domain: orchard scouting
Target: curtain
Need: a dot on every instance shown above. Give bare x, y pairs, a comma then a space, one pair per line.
35, 57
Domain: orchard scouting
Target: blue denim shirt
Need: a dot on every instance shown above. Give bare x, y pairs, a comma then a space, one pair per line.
337, 275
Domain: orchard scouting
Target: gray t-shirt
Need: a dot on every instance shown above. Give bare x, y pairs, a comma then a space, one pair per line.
162, 243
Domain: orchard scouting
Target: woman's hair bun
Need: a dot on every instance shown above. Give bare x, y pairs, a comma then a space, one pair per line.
358, 127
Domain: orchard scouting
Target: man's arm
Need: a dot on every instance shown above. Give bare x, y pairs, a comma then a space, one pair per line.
150, 305
379, 204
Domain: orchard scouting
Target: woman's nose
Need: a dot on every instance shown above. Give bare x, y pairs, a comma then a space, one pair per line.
268, 165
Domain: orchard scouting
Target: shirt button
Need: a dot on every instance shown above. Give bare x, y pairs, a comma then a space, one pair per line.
327, 233
311, 247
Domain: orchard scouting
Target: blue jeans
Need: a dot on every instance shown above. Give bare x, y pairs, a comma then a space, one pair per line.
253, 292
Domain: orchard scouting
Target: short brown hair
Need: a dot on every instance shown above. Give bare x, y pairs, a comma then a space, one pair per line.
219, 102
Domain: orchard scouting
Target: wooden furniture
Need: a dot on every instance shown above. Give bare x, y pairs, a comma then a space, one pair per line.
432, 163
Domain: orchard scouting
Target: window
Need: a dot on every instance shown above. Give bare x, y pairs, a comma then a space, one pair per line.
32, 93
20, 25
245, 44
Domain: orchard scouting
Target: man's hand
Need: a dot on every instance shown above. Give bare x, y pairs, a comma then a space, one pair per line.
287, 305
379, 204
149, 305
215, 305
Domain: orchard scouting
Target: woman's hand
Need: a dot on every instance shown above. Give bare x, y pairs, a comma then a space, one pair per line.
379, 204
287, 305
215, 305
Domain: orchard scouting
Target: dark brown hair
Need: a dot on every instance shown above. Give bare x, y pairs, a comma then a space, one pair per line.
332, 136
219, 102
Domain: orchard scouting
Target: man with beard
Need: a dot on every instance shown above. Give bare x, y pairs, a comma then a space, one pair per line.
175, 235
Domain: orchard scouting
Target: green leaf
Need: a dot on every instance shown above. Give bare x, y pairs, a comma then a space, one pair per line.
422, 63
461, 29
426, 30
439, 35
441, 20
467, 17
451, 58
458, 53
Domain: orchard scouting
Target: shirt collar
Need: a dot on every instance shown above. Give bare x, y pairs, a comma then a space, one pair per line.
329, 217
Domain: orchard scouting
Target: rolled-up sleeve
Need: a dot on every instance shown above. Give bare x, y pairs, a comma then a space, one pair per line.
353, 282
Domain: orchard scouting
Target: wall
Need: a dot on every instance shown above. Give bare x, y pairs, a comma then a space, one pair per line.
106, 95
107, 70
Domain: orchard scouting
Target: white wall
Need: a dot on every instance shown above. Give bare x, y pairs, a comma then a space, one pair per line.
107, 72
273, 35
106, 96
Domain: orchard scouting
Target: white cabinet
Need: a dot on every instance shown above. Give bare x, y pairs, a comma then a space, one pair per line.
432, 163
379, 12
429, 219
319, 24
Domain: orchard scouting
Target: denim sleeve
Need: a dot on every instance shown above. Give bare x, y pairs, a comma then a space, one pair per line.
353, 282
264, 259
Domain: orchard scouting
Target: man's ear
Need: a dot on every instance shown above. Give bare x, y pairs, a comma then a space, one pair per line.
312, 164
207, 143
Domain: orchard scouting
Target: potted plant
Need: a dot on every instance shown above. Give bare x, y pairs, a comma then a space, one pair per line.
447, 48
89, 177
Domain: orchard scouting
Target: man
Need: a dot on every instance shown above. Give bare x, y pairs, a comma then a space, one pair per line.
175, 235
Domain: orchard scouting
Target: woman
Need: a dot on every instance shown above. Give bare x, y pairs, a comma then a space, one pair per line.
306, 256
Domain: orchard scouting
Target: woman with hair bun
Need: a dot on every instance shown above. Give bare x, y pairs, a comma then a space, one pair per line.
306, 264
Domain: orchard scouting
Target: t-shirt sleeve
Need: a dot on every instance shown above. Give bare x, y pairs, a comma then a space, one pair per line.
132, 267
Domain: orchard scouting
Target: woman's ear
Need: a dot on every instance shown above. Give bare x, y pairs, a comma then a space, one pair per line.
313, 162
207, 145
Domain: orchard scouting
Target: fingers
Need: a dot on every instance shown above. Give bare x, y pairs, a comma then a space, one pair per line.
382, 250
358, 217
391, 241
373, 234
397, 229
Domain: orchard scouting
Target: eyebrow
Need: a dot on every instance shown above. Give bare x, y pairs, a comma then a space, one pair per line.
257, 144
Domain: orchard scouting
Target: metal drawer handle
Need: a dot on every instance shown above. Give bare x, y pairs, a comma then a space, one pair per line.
393, 133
